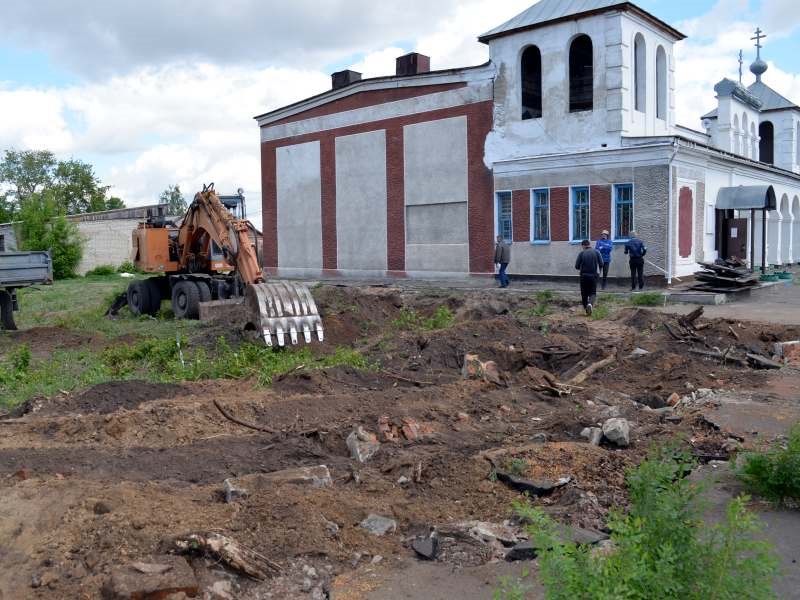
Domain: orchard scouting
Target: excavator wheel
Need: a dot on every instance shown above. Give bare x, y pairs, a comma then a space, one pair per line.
140, 300
205, 291
154, 290
7, 311
186, 300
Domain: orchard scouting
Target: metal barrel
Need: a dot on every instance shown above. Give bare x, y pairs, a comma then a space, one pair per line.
282, 311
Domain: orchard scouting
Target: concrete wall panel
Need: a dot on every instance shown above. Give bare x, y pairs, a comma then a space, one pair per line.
435, 154
299, 206
443, 258
361, 201
437, 224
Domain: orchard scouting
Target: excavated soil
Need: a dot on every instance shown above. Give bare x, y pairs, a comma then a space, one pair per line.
99, 478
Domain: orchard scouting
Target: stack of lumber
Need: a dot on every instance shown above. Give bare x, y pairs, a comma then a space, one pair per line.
724, 276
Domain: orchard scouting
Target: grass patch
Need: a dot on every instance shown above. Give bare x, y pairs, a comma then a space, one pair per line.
411, 320
157, 360
606, 298
647, 299
661, 548
101, 271
544, 296
775, 474
600, 312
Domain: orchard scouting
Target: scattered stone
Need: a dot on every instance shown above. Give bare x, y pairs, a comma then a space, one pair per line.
23, 474
539, 438
403, 480
332, 527
386, 431
128, 583
307, 584
463, 417
505, 408
356, 558
362, 444
536, 487
473, 367
426, 548
489, 532
222, 588
638, 352
522, 551
617, 431
318, 593
378, 525
310, 571
232, 492
150, 568
36, 581
316, 477
593, 434
411, 429
789, 352
101, 508
581, 536
376, 559
674, 399
703, 392
491, 373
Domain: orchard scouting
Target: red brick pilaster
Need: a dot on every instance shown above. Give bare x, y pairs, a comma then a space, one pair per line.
521, 210
269, 205
480, 190
395, 199
600, 210
559, 214
327, 158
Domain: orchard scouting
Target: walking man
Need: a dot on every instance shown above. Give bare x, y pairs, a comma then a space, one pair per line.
604, 246
636, 249
588, 264
502, 256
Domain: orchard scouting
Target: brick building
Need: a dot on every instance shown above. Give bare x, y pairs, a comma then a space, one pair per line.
568, 130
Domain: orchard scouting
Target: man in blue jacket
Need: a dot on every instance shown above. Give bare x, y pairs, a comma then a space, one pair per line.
636, 249
604, 246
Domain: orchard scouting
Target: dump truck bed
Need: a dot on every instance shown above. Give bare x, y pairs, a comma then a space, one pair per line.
21, 269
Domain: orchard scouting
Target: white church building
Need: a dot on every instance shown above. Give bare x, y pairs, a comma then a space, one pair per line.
567, 131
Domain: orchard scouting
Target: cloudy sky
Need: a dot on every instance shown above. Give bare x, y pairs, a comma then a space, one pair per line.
154, 92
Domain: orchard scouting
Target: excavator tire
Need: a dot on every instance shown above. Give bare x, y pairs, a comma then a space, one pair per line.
205, 291
186, 300
139, 299
154, 289
7, 311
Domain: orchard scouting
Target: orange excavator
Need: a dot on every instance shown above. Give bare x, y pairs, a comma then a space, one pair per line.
208, 257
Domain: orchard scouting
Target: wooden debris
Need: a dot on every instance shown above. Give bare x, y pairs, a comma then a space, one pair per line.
733, 333
591, 369
720, 356
725, 277
228, 551
233, 419
688, 320
405, 379
762, 362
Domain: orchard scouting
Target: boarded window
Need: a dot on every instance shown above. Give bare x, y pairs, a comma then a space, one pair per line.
623, 211
2, 243
581, 74
661, 83
531, 83
504, 218
580, 214
640, 72
766, 147
541, 215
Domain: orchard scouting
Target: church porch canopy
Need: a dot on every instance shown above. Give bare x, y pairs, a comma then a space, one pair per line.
747, 197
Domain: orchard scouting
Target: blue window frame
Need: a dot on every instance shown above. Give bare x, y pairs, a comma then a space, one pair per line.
504, 216
579, 214
623, 211
541, 216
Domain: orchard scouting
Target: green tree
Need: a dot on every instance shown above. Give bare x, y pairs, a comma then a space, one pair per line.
77, 189
44, 226
26, 172
174, 198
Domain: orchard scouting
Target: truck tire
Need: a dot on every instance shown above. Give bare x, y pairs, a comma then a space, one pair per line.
154, 289
205, 291
139, 300
186, 300
7, 311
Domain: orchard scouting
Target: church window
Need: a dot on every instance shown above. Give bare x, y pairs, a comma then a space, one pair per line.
531, 83
504, 218
581, 74
640, 72
579, 214
661, 83
766, 147
623, 211
737, 136
541, 215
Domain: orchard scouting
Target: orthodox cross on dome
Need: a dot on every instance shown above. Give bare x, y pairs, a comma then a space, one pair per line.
759, 67
741, 61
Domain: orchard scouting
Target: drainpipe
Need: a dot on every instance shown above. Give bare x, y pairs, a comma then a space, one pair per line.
669, 213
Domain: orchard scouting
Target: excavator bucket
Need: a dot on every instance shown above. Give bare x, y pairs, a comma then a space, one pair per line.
282, 312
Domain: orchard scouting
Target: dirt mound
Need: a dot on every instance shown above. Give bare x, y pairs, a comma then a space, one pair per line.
42, 341
110, 397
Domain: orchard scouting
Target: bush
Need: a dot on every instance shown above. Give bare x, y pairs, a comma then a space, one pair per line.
101, 271
661, 548
411, 320
126, 267
44, 227
16, 365
647, 299
775, 474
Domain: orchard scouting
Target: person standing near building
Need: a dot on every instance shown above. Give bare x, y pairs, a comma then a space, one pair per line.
636, 249
604, 246
588, 264
502, 256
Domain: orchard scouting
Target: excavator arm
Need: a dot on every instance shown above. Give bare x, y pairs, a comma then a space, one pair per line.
274, 310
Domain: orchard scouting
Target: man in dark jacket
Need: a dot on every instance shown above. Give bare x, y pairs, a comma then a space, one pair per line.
636, 249
589, 262
605, 246
502, 256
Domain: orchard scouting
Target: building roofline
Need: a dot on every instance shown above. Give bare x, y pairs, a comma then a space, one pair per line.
623, 6
371, 83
